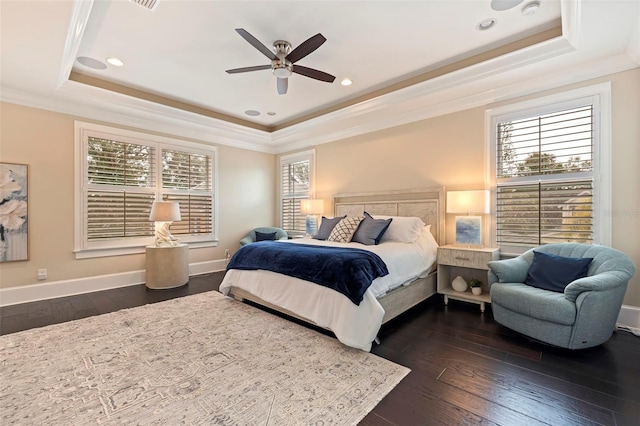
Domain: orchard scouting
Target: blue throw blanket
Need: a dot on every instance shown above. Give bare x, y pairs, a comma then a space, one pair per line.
349, 271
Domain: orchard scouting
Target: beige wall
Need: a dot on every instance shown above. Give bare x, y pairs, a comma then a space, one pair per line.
450, 151
45, 141
444, 151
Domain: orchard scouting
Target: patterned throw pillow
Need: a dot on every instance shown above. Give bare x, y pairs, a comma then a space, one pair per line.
344, 230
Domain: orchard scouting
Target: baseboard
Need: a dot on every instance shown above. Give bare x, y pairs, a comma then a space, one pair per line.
63, 288
629, 315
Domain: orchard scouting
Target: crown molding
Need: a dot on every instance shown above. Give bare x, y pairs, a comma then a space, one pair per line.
100, 105
437, 97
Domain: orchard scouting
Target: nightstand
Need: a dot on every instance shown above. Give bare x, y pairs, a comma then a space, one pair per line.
467, 262
167, 266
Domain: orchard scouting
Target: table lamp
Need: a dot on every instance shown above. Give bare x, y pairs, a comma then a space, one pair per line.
312, 208
468, 228
164, 213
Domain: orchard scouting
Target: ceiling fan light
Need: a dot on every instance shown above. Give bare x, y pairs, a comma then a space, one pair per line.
282, 72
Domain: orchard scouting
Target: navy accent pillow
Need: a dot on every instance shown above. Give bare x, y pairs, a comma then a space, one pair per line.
326, 226
371, 230
265, 236
552, 272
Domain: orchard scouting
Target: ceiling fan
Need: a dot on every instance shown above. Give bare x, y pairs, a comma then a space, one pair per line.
283, 59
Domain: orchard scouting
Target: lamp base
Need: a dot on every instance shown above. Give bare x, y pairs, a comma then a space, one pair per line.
311, 225
163, 236
469, 230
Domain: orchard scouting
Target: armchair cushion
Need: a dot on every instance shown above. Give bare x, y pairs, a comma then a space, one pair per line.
535, 302
551, 272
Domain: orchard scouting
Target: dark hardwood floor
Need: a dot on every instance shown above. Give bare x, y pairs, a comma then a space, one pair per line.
465, 368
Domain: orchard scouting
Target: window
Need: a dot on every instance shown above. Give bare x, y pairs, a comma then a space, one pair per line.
545, 160
296, 179
119, 176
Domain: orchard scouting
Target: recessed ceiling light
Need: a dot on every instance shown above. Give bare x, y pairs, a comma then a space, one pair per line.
271, 113
531, 8
346, 82
91, 63
486, 24
252, 112
115, 62
501, 5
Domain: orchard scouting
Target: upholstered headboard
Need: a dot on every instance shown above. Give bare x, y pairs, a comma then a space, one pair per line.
427, 204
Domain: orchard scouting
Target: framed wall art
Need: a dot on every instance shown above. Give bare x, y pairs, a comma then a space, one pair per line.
469, 230
14, 207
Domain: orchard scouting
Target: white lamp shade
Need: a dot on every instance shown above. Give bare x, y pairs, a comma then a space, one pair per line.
468, 201
163, 211
312, 207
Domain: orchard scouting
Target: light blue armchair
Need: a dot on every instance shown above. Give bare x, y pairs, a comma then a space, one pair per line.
281, 234
584, 315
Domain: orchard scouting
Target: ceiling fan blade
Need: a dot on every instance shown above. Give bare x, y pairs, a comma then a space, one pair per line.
283, 84
256, 43
310, 72
306, 47
248, 69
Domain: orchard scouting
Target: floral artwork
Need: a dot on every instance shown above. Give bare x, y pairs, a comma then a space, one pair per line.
14, 229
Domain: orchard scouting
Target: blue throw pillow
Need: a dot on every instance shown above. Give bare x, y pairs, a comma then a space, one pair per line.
265, 236
552, 272
326, 226
371, 230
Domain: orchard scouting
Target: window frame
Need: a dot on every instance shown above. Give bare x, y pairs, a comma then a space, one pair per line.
308, 155
600, 97
83, 248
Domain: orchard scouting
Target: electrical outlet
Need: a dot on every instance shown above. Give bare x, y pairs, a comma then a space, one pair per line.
227, 254
42, 274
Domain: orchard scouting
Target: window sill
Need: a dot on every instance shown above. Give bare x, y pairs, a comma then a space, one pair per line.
124, 251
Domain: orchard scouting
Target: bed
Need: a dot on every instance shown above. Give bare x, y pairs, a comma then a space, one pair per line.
411, 278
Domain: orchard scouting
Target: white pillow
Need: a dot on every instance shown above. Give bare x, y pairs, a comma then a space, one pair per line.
402, 229
427, 240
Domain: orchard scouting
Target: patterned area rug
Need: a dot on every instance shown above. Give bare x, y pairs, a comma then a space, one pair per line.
202, 360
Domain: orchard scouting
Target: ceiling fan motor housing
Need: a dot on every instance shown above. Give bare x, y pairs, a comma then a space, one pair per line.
281, 68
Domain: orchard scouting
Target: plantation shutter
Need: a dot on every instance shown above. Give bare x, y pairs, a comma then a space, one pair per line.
187, 178
544, 178
295, 187
120, 189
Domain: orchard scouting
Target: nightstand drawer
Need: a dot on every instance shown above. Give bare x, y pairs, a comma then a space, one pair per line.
476, 259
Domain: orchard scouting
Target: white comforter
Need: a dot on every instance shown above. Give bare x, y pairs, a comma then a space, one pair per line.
353, 325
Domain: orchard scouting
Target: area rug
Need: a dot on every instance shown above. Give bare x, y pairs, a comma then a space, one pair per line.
202, 360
